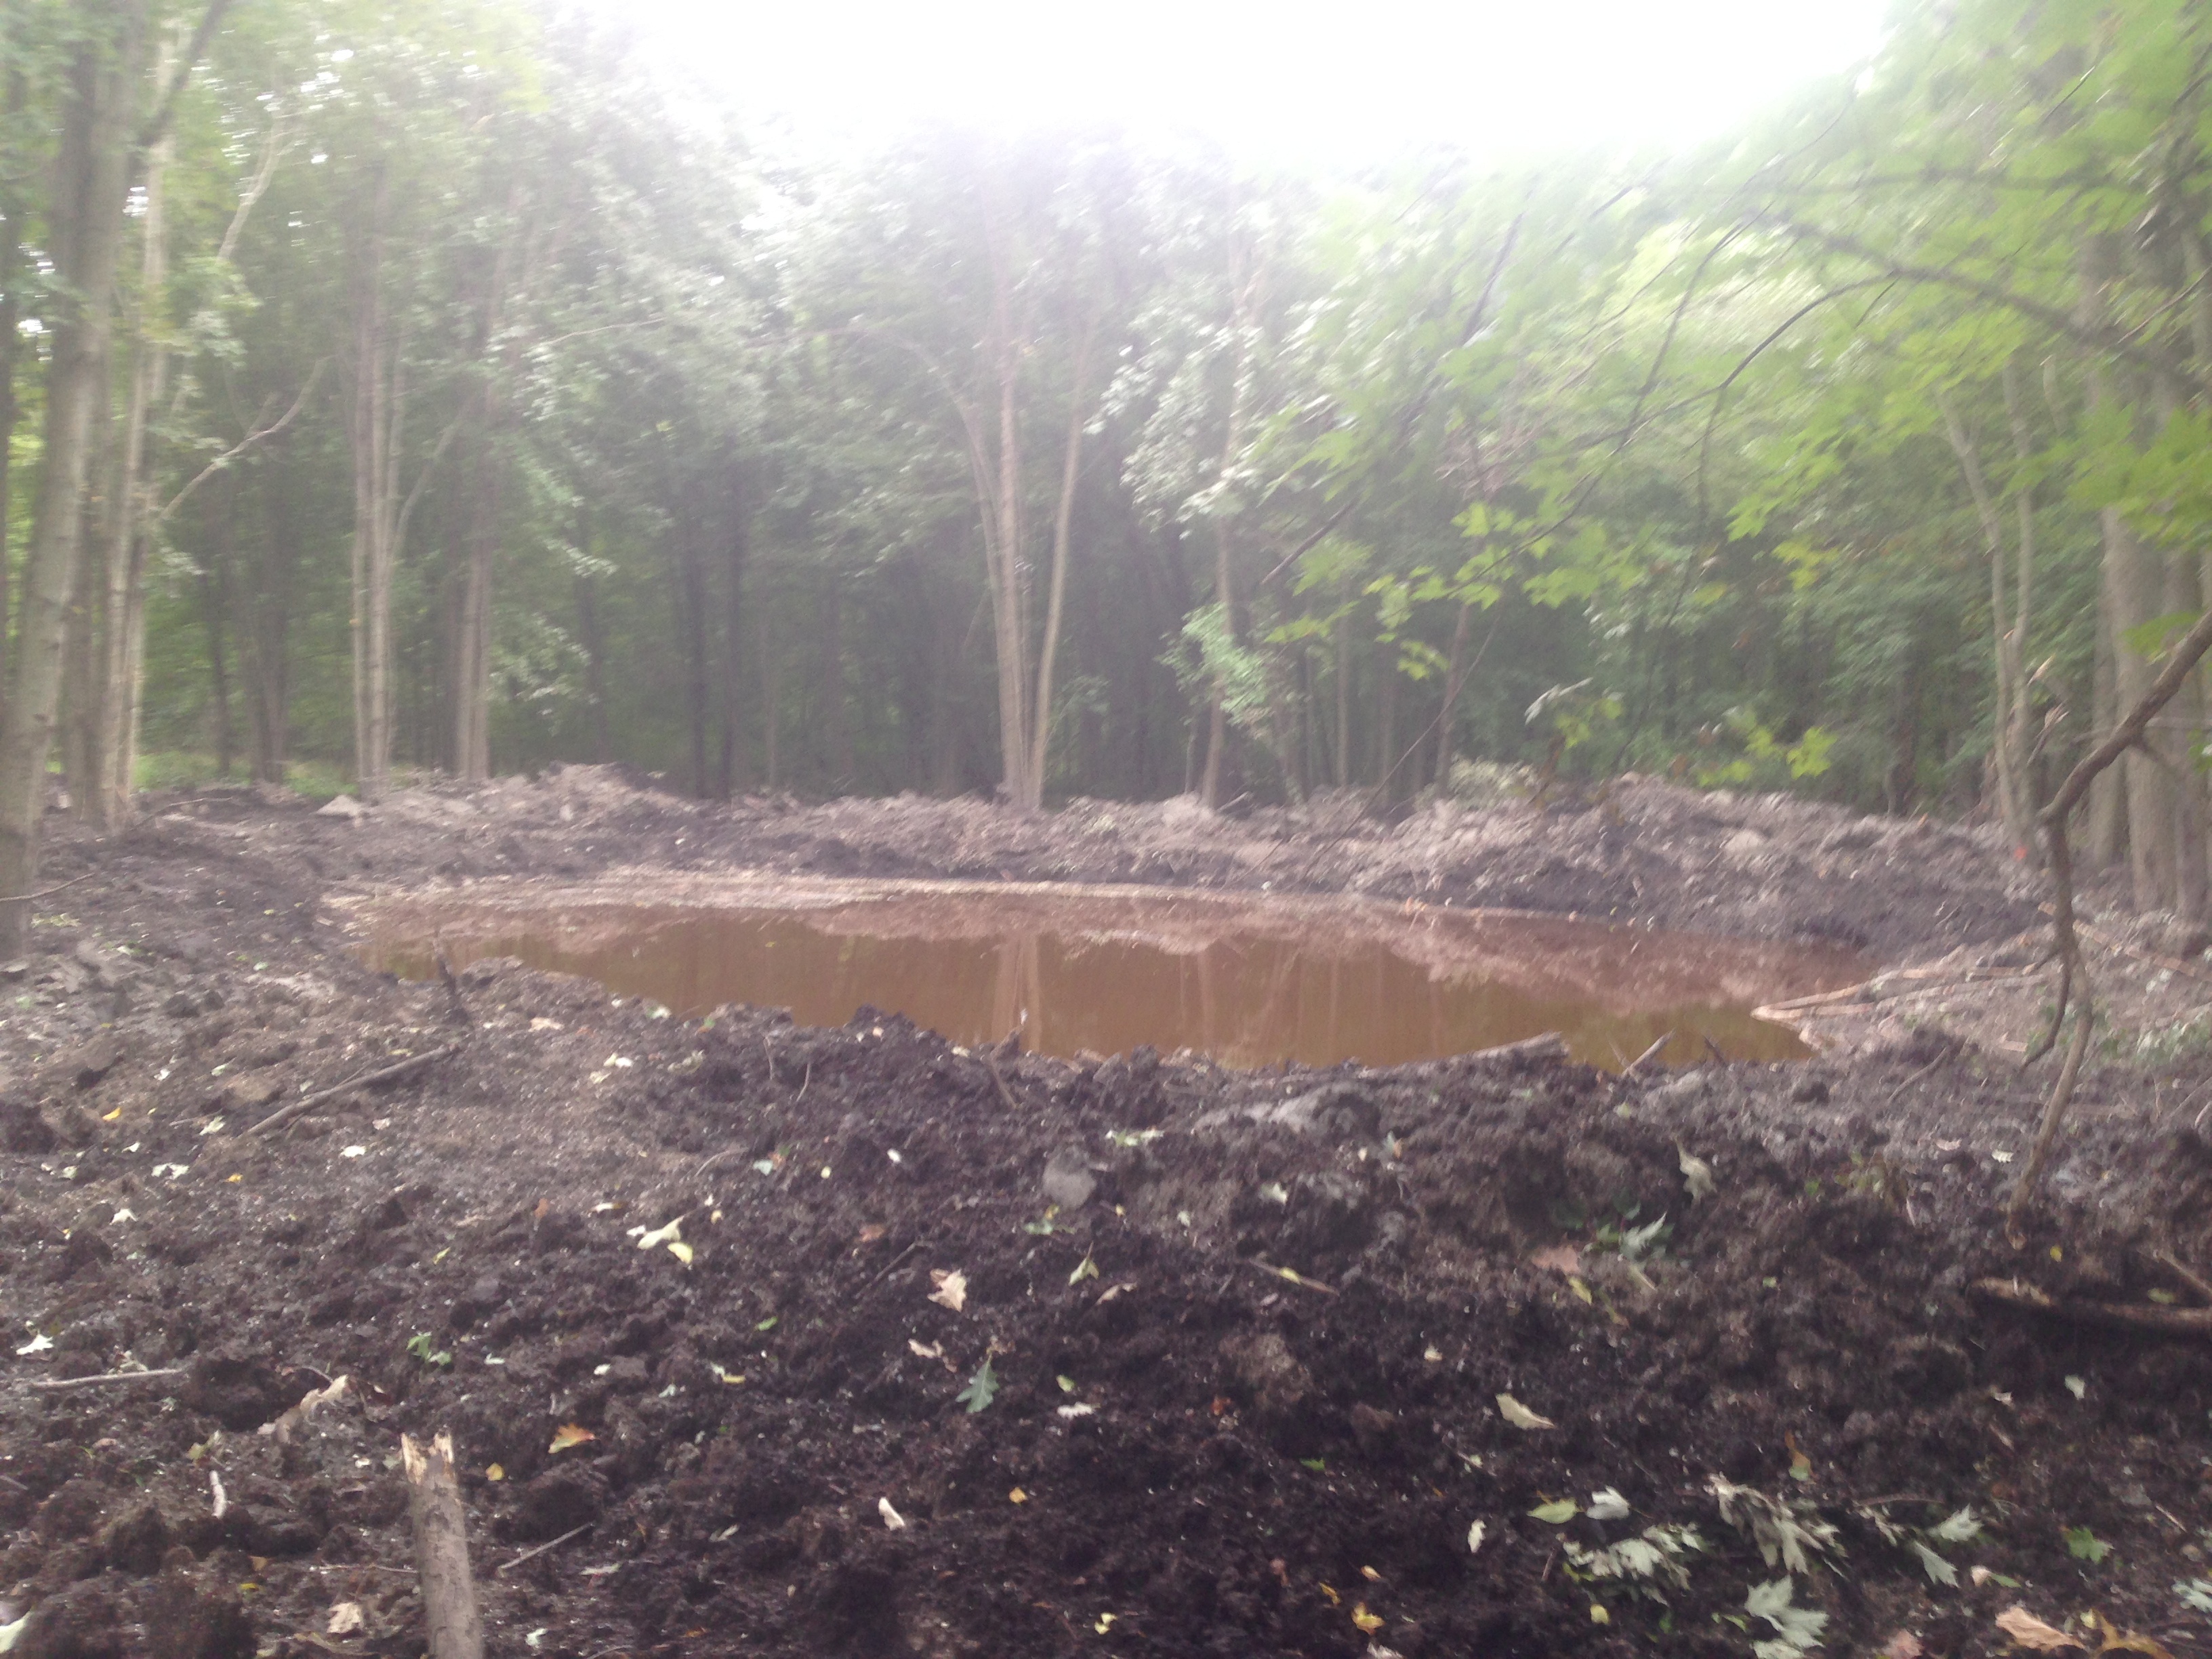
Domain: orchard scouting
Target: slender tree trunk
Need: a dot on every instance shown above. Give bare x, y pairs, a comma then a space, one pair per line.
768, 712
690, 593
1224, 573
268, 638
737, 547
472, 622
2108, 835
375, 424
1386, 720
92, 179
130, 528
12, 276
1040, 711
1343, 778
1454, 682
215, 609
836, 709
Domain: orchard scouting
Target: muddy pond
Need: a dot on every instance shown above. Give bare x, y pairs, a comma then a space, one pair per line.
1250, 979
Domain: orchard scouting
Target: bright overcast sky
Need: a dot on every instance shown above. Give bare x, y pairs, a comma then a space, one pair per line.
1290, 81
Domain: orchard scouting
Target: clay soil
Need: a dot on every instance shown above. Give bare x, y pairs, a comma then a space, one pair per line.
1180, 1447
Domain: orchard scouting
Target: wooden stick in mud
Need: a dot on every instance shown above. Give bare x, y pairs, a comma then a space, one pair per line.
1645, 1058
413, 1062
441, 1550
56, 1384
2120, 1316
501, 1571
1550, 1045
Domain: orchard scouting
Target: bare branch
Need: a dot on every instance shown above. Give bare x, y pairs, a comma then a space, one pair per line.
244, 444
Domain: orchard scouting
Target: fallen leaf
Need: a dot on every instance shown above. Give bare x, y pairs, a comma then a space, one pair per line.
1079, 1409
495, 1472
2133, 1642
927, 1350
345, 1619
1557, 1512
892, 1518
37, 1344
2029, 1631
1903, 1645
1608, 1506
1105, 1622
1581, 1289
872, 1232
671, 1234
1370, 1575
1084, 1269
680, 1250
110, 1117
2078, 1387
1520, 1416
1599, 1614
569, 1434
1334, 1599
1696, 1175
951, 1289
1474, 1538
1559, 1258
1017, 1496
1367, 1622
1432, 1354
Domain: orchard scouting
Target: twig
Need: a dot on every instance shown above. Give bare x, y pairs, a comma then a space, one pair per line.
992, 1066
532, 1555
1549, 1046
1637, 1063
1292, 1277
55, 1385
884, 1272
2121, 1315
2189, 1276
48, 892
413, 1062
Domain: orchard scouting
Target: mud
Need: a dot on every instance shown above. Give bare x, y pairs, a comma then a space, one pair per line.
1186, 1452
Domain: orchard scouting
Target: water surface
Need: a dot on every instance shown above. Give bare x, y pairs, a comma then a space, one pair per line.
1249, 979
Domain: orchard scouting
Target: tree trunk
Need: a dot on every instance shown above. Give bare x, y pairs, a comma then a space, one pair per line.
593, 638
1343, 774
130, 513
268, 637
690, 593
768, 673
836, 713
2108, 833
375, 427
737, 547
215, 609
91, 182
1071, 466
11, 315
472, 620
1456, 673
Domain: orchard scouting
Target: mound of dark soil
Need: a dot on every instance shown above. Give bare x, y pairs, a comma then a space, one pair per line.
982, 1354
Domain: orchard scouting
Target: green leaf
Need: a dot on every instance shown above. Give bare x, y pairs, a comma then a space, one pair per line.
1962, 1528
1558, 1512
1938, 1570
2085, 1546
2151, 639
982, 1388
2196, 1594
1797, 1630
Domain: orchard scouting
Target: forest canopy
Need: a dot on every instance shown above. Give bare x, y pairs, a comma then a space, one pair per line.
421, 386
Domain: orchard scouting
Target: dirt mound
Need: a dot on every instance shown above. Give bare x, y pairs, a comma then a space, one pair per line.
1138, 1356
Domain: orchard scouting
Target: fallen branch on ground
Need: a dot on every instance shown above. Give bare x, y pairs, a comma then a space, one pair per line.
532, 1555
1291, 1276
1550, 1045
55, 1385
305, 1102
441, 1550
2120, 1316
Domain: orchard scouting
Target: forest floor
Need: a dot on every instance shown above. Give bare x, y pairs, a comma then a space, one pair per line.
1499, 1356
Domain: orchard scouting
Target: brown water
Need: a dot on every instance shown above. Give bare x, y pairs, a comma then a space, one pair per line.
1248, 979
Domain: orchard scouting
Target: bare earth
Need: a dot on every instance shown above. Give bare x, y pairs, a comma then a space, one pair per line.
1181, 1449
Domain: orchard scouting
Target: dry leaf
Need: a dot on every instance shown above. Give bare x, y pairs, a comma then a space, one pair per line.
570, 1434
680, 1250
2029, 1631
671, 1234
1334, 1599
927, 1350
951, 1289
1474, 1538
2131, 1642
872, 1232
1367, 1622
1903, 1645
1520, 1416
495, 1472
892, 1518
345, 1619
1017, 1496
1559, 1258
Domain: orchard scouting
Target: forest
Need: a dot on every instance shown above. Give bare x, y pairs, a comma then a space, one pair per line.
407, 388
